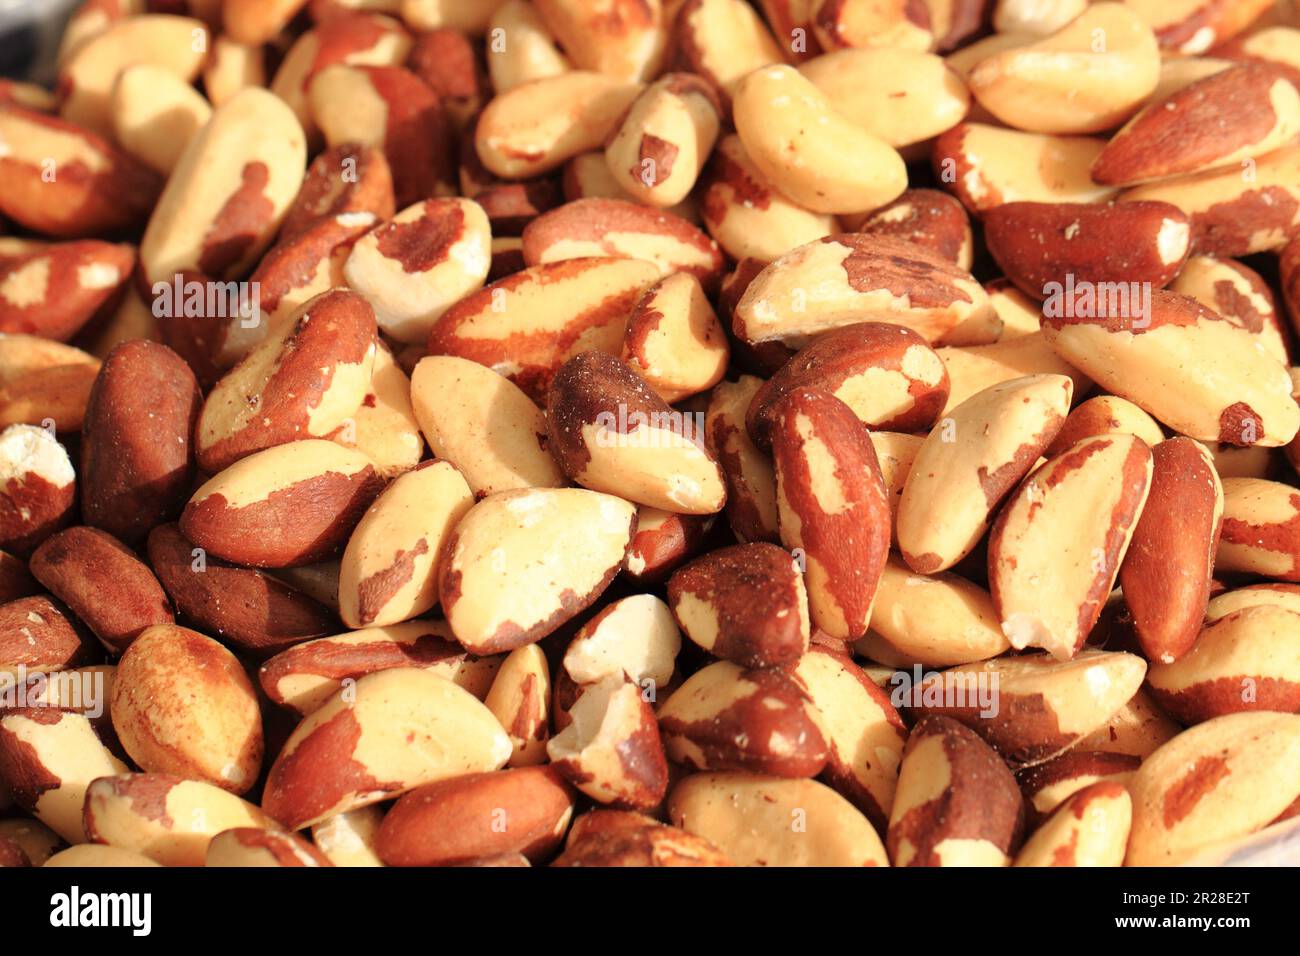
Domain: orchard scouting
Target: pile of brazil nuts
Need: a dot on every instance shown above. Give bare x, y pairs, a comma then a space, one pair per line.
651, 433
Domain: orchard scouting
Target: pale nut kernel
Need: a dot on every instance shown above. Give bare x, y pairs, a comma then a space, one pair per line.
155, 114
634, 638
815, 155
751, 479
1259, 536
1105, 415
520, 698
724, 40
253, 846
674, 340
522, 47
858, 23
612, 37
37, 487
348, 838
1090, 829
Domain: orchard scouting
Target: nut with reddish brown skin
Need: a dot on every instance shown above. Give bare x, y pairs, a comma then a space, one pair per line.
1048, 785
98, 189
303, 265
723, 40
15, 581
58, 290
662, 541
110, 589
182, 704
751, 479
1234, 213
746, 214
390, 566
634, 639
1195, 26
391, 108
48, 758
833, 507
625, 230
674, 340
863, 731
623, 838
39, 487
611, 433
1034, 706
850, 278
665, 139
1271, 593
1246, 660
248, 608
727, 718
389, 733
957, 804
1240, 295
166, 818
446, 61
1056, 547
1220, 780
452, 822
1201, 375
346, 178
521, 563
744, 604
520, 698
35, 839
305, 676
289, 505
1038, 245
1090, 829
1261, 529
926, 217
422, 261
12, 855
527, 325
302, 382
1273, 45
621, 38
534, 128
1166, 573
887, 374
137, 460
253, 846
385, 428
769, 821
611, 749
37, 635
985, 166
1105, 415
1241, 112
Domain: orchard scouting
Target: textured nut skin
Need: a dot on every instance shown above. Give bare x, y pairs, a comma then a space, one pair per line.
1039, 244
182, 704
611, 433
745, 604
103, 582
1258, 537
1046, 786
833, 507
749, 818
39, 487
244, 606
1105, 415
1167, 571
354, 752
345, 178
36, 634
957, 804
928, 218
1057, 546
751, 479
137, 458
1240, 295
313, 491
727, 718
887, 374
622, 838
1225, 778
166, 818
662, 541
478, 815
61, 288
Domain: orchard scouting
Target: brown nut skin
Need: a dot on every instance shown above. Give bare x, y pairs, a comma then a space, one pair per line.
41, 379
662, 541
744, 604
182, 704
887, 374
59, 289
251, 846
37, 634
1047, 785
12, 855
1038, 244
300, 266
927, 217
821, 448
953, 787
345, 178
98, 190
623, 838
104, 583
1167, 571
727, 718
137, 459
255, 612
446, 61
38, 493
454, 821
